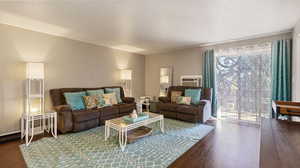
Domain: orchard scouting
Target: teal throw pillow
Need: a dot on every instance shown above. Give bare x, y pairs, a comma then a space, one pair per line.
94, 92
195, 94
75, 100
117, 91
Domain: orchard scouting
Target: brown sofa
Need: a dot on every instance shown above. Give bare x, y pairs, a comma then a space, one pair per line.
191, 113
78, 120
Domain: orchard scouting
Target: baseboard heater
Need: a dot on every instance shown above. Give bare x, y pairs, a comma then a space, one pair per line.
10, 136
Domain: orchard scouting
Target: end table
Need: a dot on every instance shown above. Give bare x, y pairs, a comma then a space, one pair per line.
49, 124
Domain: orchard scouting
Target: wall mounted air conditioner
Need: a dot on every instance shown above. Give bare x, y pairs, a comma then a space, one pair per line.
191, 80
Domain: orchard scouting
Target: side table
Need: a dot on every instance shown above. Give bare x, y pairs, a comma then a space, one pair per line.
48, 123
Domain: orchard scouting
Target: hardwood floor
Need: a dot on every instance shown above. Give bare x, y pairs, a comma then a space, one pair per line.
229, 146
10, 155
280, 144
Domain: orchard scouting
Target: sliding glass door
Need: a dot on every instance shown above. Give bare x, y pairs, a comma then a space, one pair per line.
243, 81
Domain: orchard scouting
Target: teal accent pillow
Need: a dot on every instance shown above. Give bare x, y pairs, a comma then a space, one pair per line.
94, 92
195, 94
75, 100
117, 91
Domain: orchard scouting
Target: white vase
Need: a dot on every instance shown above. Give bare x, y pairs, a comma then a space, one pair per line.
133, 114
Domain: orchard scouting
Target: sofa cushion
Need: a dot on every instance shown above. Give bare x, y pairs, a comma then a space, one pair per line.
75, 100
80, 126
187, 109
85, 115
195, 94
188, 117
167, 106
170, 114
109, 110
117, 91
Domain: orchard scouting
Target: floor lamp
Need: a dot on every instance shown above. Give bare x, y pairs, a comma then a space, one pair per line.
126, 77
35, 102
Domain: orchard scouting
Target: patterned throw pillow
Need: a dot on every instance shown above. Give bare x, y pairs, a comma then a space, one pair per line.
117, 92
91, 101
175, 95
75, 100
195, 94
110, 98
183, 100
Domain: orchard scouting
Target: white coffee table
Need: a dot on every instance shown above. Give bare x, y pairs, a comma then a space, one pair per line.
122, 127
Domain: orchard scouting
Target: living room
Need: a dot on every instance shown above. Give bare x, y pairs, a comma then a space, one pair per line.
159, 83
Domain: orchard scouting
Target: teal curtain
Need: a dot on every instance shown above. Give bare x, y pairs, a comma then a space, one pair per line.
209, 75
281, 70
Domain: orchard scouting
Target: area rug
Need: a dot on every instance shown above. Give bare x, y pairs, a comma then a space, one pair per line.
88, 149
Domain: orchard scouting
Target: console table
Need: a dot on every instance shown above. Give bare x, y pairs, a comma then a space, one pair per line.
286, 108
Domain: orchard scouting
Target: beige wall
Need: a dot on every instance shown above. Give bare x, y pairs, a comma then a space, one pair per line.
184, 62
68, 63
296, 64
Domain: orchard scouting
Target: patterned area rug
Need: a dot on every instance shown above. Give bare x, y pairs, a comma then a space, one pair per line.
88, 149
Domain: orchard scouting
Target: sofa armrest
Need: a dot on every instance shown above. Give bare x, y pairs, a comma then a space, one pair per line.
205, 107
62, 108
128, 100
164, 99
203, 102
64, 118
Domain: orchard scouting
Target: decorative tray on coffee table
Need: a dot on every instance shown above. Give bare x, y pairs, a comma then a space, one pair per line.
141, 117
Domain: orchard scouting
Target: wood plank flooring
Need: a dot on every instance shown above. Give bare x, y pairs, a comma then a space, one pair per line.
280, 144
229, 146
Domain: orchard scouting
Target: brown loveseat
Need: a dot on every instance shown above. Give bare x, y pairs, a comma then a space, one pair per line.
191, 113
78, 120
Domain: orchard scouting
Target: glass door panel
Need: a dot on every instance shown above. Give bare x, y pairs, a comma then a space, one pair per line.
243, 80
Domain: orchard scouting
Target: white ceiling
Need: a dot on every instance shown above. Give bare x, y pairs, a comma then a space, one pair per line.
151, 26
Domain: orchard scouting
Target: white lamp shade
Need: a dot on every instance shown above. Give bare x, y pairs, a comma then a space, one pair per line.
126, 74
35, 71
